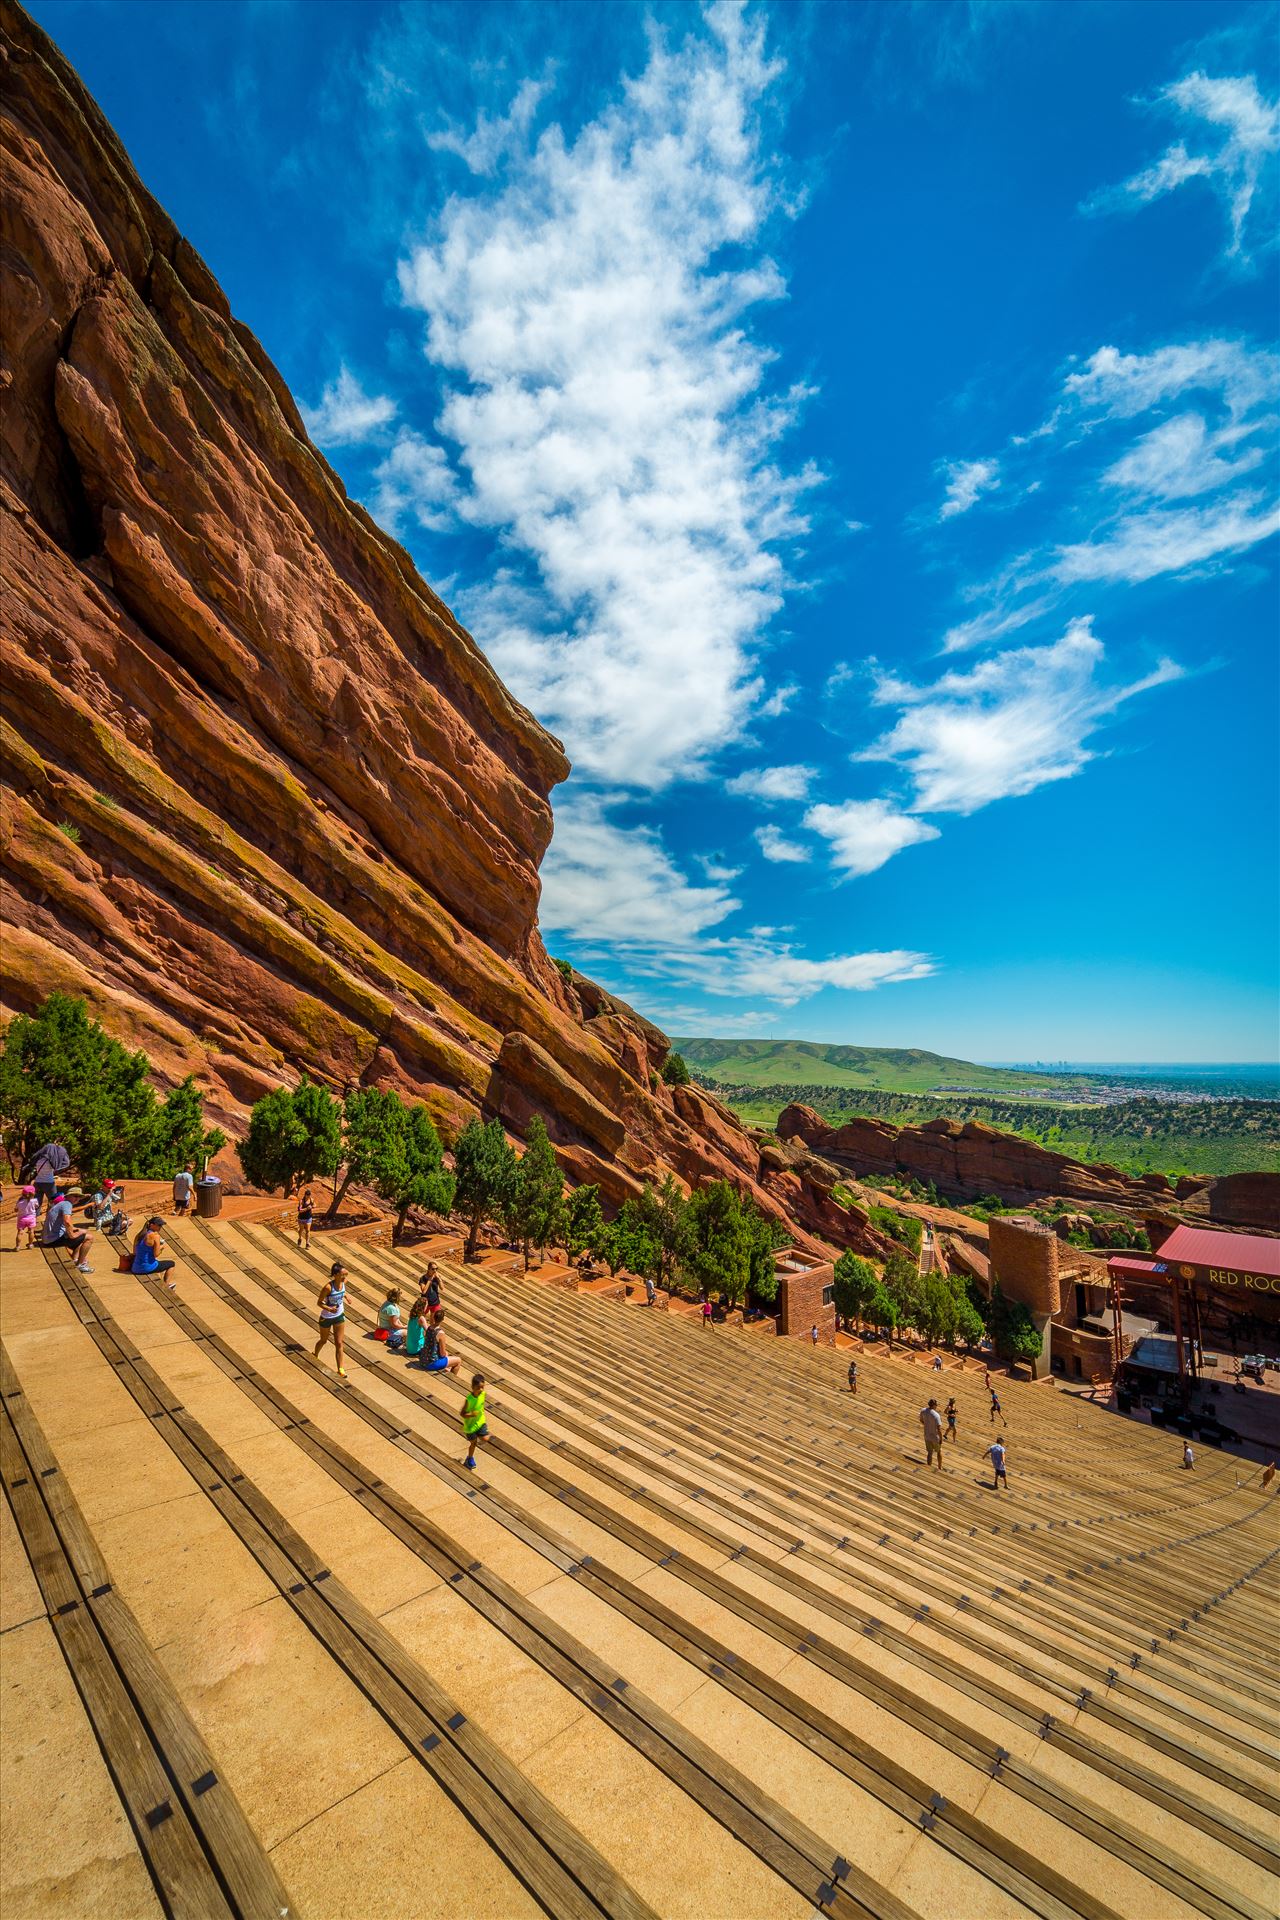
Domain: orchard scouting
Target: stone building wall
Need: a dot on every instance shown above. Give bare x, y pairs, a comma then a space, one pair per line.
1024, 1259
800, 1301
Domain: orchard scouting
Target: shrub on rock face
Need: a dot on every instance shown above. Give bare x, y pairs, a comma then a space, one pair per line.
675, 1070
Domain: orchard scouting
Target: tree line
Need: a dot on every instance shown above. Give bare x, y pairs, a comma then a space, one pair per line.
713, 1238
943, 1308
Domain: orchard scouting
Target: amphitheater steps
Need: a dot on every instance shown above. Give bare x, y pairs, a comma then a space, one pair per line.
376, 1350
671, 1636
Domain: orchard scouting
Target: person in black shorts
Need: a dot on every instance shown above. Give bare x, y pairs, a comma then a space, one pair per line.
306, 1214
997, 1409
853, 1377
952, 1413
332, 1303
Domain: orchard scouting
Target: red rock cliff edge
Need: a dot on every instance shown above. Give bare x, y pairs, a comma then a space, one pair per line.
307, 816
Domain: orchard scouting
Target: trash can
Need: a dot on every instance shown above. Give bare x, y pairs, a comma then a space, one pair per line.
209, 1197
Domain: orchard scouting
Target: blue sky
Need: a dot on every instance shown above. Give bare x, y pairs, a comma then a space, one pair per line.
851, 428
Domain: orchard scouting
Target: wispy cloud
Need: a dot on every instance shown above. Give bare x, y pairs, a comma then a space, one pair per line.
1234, 135
494, 135
966, 482
1012, 723
617, 885
415, 481
346, 414
863, 834
1133, 433
773, 783
612, 414
775, 846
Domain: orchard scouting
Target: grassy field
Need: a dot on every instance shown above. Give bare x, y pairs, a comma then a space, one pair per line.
1138, 1136
760, 1063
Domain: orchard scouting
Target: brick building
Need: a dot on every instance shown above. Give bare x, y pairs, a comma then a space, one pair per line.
806, 1296
1061, 1286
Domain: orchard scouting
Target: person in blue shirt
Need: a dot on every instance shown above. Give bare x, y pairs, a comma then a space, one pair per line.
147, 1263
59, 1232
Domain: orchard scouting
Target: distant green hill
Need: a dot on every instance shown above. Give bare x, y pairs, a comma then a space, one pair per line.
770, 1063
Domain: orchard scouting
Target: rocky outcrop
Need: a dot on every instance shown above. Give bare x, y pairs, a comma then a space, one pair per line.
965, 1160
267, 805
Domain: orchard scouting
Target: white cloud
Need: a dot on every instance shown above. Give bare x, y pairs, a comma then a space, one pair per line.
778, 701
1186, 419
775, 846
1118, 386
966, 481
866, 833
715, 868
1139, 546
1006, 727
1236, 131
494, 136
773, 783
619, 886
414, 479
1181, 457
347, 414
611, 410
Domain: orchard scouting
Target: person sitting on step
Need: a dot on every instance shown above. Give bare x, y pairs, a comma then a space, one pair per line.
390, 1321
436, 1357
147, 1263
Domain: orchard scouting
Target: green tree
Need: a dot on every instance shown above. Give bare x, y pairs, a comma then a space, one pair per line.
485, 1175
854, 1280
62, 1078
373, 1120
180, 1133
292, 1136
416, 1175
586, 1231
1013, 1331
766, 1237
902, 1283
629, 1243
937, 1309
969, 1323
675, 1070
663, 1213
902, 1227
880, 1310
719, 1241
535, 1209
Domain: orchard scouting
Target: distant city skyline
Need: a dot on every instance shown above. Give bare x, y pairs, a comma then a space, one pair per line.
851, 428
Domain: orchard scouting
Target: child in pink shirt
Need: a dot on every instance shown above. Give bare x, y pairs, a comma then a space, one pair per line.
28, 1213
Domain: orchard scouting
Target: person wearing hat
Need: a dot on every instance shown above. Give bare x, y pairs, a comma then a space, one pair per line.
59, 1232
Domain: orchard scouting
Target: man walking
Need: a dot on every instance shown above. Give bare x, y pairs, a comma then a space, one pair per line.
183, 1184
813, 1335
853, 1378
952, 1415
997, 1409
931, 1421
650, 1291
997, 1452
48, 1169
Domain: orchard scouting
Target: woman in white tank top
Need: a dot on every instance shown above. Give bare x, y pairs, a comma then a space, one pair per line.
332, 1303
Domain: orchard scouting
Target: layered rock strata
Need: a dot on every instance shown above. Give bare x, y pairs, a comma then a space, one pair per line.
965, 1160
267, 806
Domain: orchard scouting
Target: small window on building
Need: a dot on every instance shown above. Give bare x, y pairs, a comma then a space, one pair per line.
828, 1296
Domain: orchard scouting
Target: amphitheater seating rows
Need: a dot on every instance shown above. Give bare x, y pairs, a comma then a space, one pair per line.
699, 1637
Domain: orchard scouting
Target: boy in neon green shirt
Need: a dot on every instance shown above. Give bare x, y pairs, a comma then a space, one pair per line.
473, 1425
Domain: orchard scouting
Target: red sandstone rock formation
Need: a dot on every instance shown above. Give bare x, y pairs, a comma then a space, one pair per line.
306, 816
968, 1159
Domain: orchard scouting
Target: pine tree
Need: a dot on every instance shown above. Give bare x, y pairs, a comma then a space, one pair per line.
292, 1136
484, 1174
586, 1228
417, 1176
719, 1241
537, 1211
